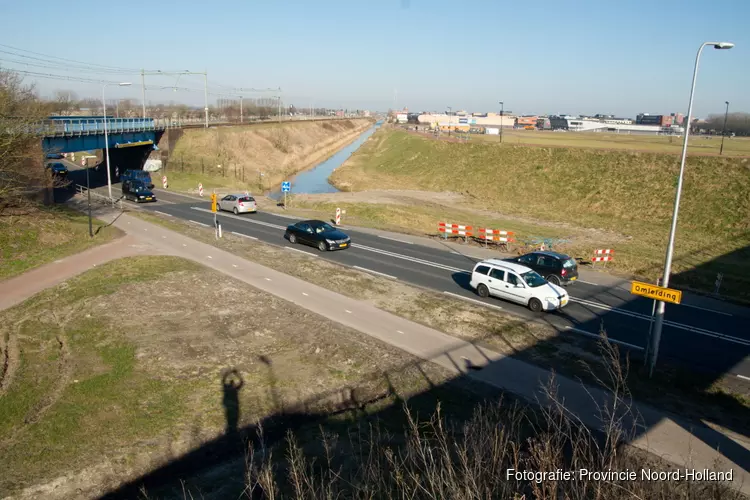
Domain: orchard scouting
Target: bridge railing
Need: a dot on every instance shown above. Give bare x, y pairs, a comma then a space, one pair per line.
82, 126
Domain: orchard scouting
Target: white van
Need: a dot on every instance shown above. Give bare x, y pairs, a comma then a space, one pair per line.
517, 283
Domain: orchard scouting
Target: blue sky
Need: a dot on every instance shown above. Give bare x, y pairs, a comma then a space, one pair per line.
545, 56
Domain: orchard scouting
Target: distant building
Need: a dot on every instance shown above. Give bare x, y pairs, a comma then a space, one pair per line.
661, 120
614, 125
526, 121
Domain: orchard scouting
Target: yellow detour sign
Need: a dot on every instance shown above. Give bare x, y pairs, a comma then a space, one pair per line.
213, 202
655, 292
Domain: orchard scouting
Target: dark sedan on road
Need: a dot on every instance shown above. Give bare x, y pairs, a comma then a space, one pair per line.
318, 234
137, 191
557, 268
58, 169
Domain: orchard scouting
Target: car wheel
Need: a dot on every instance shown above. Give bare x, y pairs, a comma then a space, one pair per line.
483, 291
236, 212
292, 239
322, 246
553, 279
535, 305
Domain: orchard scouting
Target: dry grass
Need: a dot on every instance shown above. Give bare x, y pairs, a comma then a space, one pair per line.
276, 150
116, 371
626, 196
698, 145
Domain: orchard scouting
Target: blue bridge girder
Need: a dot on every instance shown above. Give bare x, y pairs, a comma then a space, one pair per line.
86, 133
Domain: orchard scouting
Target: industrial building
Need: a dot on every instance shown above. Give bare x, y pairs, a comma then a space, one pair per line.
616, 126
462, 120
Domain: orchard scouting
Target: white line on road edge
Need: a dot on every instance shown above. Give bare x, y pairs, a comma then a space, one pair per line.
199, 223
395, 239
209, 257
301, 251
375, 272
588, 282
411, 259
305, 294
235, 265
700, 331
347, 310
163, 213
245, 219
473, 300
706, 309
743, 377
399, 331
244, 235
596, 336
268, 279
280, 215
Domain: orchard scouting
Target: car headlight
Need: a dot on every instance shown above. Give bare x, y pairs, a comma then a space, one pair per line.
551, 299
330, 242
141, 197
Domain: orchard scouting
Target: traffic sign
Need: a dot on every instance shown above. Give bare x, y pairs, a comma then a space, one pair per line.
200, 189
286, 186
656, 292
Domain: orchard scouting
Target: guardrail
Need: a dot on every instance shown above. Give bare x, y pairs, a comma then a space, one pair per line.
83, 191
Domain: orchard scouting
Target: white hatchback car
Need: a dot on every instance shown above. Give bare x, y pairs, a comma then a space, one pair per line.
517, 283
238, 203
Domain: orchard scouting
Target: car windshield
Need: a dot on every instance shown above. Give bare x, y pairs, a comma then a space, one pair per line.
533, 279
139, 188
569, 264
247, 199
323, 228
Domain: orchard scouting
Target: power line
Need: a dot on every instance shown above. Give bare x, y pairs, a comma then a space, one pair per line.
50, 76
65, 59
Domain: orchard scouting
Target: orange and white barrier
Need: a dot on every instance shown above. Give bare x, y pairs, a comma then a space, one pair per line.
457, 229
603, 255
200, 189
496, 235
338, 216
164, 181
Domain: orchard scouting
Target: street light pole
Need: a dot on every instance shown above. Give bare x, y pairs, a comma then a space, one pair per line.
88, 192
724, 130
450, 120
106, 137
502, 108
659, 315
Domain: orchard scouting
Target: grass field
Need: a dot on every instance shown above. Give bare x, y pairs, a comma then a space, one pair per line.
701, 145
46, 234
278, 151
116, 370
596, 199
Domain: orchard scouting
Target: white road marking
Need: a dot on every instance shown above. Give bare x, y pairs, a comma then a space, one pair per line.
395, 239
305, 294
250, 221
411, 259
282, 215
700, 331
234, 265
158, 212
184, 245
707, 309
597, 336
164, 237
375, 272
588, 282
300, 251
199, 223
245, 235
347, 310
209, 257
743, 377
399, 331
145, 229
485, 304
268, 279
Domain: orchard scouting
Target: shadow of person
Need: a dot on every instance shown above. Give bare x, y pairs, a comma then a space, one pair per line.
231, 383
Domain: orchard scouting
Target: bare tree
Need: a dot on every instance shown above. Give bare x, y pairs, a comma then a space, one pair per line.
64, 103
21, 166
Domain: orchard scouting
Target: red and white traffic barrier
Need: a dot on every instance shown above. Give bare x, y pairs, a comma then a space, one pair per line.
457, 229
496, 235
164, 181
200, 189
603, 255
338, 216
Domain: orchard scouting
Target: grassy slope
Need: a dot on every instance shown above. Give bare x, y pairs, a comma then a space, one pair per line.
48, 234
623, 192
276, 150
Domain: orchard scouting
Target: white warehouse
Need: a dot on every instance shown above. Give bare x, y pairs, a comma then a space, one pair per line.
590, 125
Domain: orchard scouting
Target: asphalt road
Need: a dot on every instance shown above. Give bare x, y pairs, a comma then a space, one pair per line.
702, 338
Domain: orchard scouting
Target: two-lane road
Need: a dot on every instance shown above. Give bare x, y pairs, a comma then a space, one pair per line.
699, 337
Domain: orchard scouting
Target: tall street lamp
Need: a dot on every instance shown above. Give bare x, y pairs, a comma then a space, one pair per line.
502, 108
88, 193
653, 352
724, 130
106, 135
450, 120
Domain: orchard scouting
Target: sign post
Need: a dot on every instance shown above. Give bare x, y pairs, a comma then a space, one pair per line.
286, 186
213, 209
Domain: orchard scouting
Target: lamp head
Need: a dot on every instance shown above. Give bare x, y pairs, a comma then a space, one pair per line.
723, 45
125, 84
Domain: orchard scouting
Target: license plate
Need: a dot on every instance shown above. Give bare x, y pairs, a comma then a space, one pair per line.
342, 245
148, 198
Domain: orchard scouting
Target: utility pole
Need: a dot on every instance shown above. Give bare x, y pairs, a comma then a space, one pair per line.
450, 120
240, 109
205, 95
143, 92
724, 130
502, 108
